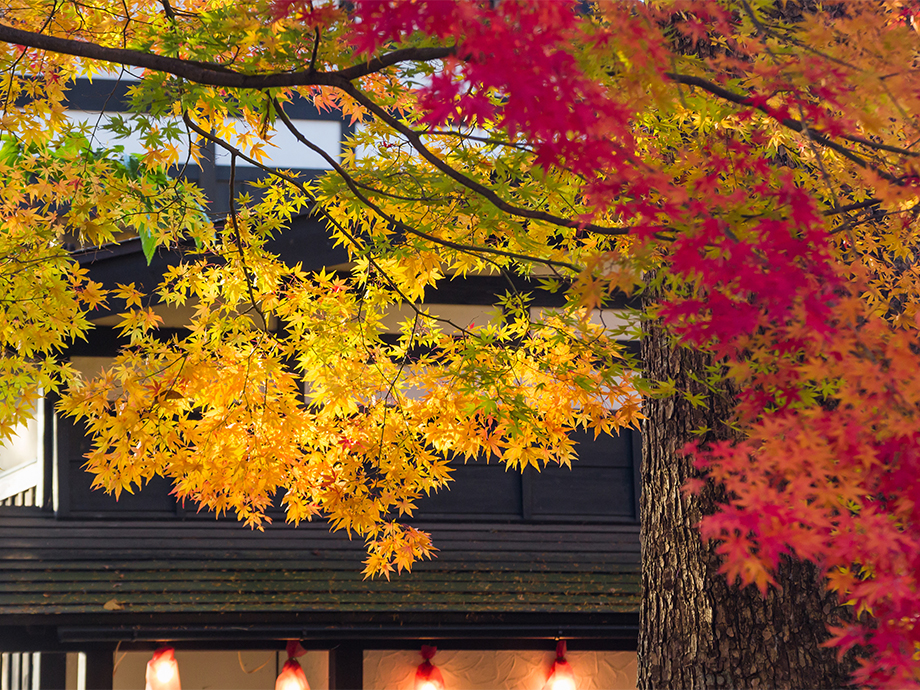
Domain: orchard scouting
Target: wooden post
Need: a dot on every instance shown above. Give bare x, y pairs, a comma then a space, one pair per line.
52, 674
527, 493
100, 668
346, 667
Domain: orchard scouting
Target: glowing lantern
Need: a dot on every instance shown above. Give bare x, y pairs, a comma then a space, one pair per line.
163, 670
292, 676
561, 676
427, 676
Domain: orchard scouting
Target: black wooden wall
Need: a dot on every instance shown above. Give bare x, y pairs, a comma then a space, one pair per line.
600, 486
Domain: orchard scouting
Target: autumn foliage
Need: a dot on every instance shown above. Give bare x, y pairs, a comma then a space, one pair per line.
752, 162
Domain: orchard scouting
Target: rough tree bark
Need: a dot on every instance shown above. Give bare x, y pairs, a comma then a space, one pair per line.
697, 631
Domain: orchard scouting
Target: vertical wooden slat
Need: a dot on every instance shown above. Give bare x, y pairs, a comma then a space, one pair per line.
36, 671
527, 493
52, 673
100, 668
15, 673
49, 452
66, 437
25, 671
346, 667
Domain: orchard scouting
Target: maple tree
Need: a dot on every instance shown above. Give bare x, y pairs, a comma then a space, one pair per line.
752, 163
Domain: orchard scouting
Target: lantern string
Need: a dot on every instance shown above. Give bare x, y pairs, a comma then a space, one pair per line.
295, 649
119, 660
560, 650
239, 655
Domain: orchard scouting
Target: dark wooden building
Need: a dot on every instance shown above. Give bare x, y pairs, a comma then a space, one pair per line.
523, 560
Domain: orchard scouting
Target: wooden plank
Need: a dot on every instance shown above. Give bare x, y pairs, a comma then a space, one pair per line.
412, 587
370, 608
129, 543
327, 575
319, 530
132, 550
160, 565
41, 579
27, 580
102, 555
146, 529
47, 521
112, 550
582, 566
165, 560
30, 579
180, 539
61, 532
305, 598
314, 608
184, 541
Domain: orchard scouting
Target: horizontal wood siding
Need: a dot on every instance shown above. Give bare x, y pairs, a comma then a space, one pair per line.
122, 568
599, 486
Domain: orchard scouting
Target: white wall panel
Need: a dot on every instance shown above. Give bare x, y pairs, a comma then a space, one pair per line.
222, 670
286, 152
499, 669
282, 151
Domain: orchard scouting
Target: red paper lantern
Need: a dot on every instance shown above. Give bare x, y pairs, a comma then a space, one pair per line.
163, 670
427, 676
292, 676
561, 676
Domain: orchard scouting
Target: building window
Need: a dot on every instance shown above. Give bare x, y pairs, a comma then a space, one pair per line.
21, 466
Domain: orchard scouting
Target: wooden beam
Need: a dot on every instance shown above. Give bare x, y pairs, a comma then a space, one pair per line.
52, 673
100, 668
346, 667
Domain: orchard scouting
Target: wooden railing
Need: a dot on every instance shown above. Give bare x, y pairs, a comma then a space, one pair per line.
19, 486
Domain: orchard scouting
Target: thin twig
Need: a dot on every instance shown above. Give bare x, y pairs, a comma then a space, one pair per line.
312, 68
858, 206
239, 245
398, 224
787, 122
468, 249
416, 141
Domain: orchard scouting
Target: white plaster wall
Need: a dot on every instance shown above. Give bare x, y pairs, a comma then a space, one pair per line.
222, 670
25, 445
499, 669
283, 150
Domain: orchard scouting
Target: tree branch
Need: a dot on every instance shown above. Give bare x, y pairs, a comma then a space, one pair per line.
416, 140
346, 177
397, 224
168, 10
858, 206
212, 74
484, 140
238, 239
794, 125
419, 313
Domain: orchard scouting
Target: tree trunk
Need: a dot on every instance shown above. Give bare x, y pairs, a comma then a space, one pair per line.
696, 630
